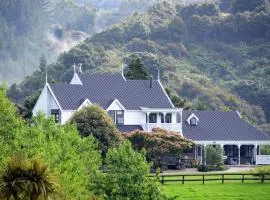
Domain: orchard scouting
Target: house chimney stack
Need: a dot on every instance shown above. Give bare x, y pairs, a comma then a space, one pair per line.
80, 68
151, 82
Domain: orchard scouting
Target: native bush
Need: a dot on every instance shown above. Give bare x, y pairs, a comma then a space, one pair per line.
27, 179
126, 176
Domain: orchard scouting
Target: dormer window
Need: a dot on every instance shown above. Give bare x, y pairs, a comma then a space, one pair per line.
193, 122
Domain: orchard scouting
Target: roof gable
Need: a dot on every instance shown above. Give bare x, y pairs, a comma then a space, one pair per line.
103, 88
220, 126
85, 103
116, 105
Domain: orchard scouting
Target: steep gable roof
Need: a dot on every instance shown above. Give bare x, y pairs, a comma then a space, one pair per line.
104, 88
220, 126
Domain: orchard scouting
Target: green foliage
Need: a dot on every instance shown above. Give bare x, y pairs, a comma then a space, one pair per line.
93, 120
61, 147
265, 149
136, 69
26, 179
214, 155
126, 175
209, 58
260, 170
158, 144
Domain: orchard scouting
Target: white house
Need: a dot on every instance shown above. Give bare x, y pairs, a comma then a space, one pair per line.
144, 104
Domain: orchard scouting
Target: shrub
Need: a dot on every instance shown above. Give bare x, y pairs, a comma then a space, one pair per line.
93, 120
158, 144
127, 176
214, 155
203, 168
261, 170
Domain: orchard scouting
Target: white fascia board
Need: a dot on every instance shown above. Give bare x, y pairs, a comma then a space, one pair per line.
233, 142
86, 101
161, 109
166, 93
117, 102
54, 96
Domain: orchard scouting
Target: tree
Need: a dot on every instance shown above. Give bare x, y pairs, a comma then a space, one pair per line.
74, 159
136, 69
126, 175
214, 155
26, 179
93, 120
158, 144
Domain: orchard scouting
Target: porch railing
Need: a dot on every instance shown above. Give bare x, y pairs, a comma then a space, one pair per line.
263, 159
176, 127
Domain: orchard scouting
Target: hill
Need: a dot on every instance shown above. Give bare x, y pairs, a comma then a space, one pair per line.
216, 57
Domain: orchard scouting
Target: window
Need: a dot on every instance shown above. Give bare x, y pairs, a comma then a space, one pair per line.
119, 117
168, 118
56, 115
193, 121
153, 118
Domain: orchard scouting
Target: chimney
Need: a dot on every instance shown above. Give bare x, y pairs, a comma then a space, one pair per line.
151, 82
80, 68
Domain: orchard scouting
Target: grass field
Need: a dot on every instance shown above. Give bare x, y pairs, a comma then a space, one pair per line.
218, 191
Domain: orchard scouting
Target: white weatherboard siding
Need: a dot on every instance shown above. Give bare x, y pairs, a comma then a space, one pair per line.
41, 105
45, 103
134, 118
66, 115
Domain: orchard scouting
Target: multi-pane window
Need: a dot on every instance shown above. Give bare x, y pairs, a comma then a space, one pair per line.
193, 121
56, 115
119, 117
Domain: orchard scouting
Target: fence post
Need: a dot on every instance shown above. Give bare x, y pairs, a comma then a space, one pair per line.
162, 179
243, 178
222, 178
262, 178
203, 179
183, 179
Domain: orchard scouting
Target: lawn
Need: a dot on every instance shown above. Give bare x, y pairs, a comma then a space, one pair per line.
218, 191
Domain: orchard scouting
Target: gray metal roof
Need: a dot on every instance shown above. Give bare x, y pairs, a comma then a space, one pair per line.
128, 128
220, 126
104, 88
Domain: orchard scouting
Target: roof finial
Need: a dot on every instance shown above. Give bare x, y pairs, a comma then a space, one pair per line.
74, 68
122, 69
158, 78
46, 74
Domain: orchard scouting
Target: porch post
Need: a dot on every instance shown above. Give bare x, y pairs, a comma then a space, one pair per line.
255, 153
201, 154
147, 121
204, 148
239, 148
222, 154
195, 149
164, 117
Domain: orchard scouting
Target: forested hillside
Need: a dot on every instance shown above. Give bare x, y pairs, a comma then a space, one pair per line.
217, 56
32, 28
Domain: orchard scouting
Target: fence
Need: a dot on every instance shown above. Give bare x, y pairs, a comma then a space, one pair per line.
182, 178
